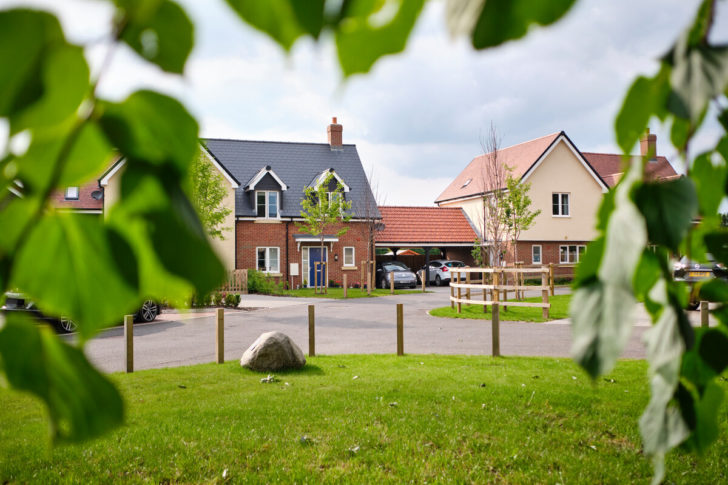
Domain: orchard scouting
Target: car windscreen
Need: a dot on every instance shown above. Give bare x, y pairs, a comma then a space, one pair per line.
455, 264
395, 267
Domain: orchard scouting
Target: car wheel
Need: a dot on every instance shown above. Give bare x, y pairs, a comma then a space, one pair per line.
67, 325
148, 312
438, 281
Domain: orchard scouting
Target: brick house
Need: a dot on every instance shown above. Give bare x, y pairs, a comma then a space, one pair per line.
567, 185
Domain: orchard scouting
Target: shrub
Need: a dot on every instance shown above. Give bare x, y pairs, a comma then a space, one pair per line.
218, 299
260, 283
231, 300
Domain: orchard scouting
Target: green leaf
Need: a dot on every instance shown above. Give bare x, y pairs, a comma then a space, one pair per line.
152, 127
372, 29
717, 244
82, 403
588, 268
699, 73
645, 98
283, 20
64, 77
504, 20
709, 182
714, 290
159, 31
668, 208
171, 225
601, 309
713, 349
74, 266
25, 37
649, 271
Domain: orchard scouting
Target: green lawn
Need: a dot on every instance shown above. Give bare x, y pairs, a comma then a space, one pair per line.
559, 309
338, 293
409, 419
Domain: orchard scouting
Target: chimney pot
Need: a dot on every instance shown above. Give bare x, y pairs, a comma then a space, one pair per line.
334, 131
648, 146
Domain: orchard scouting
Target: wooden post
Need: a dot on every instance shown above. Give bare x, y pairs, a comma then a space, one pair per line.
129, 341
363, 272
551, 277
452, 293
391, 282
460, 307
467, 290
544, 293
220, 333
495, 318
400, 329
311, 332
423, 280
485, 292
519, 266
704, 322
346, 286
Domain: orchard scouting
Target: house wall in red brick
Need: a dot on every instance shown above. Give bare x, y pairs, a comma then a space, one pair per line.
549, 254
84, 201
252, 235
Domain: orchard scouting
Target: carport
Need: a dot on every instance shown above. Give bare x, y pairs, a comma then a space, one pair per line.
445, 228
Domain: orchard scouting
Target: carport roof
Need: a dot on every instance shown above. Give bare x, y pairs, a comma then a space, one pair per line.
424, 226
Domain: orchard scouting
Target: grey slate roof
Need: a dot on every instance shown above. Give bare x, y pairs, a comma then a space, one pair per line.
297, 164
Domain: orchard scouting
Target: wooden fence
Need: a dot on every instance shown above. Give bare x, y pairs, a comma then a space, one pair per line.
235, 281
493, 284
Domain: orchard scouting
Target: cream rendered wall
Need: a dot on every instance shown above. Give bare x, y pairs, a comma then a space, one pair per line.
561, 171
112, 190
473, 208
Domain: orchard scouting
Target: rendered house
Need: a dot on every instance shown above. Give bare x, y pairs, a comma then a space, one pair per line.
566, 185
265, 182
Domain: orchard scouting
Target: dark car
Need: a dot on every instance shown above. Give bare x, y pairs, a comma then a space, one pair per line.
692, 273
403, 276
440, 270
17, 302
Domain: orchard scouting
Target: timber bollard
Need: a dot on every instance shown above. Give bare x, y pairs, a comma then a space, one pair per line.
495, 320
704, 322
129, 342
391, 282
423, 280
311, 332
346, 286
467, 290
220, 333
551, 278
400, 329
544, 296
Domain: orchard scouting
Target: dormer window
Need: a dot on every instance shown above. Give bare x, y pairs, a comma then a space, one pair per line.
266, 203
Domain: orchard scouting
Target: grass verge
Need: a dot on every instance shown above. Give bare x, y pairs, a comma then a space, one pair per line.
362, 419
338, 293
559, 309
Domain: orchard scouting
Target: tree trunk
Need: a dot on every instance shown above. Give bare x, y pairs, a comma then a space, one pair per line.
324, 279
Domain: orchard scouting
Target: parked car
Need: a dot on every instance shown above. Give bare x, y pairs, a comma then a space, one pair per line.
440, 270
403, 276
17, 302
692, 273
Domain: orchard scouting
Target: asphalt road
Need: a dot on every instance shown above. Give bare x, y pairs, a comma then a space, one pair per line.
364, 325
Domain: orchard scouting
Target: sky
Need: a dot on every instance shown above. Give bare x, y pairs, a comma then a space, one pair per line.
417, 118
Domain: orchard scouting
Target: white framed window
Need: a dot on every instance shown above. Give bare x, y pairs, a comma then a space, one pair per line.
560, 204
572, 253
269, 260
266, 204
349, 256
71, 193
536, 254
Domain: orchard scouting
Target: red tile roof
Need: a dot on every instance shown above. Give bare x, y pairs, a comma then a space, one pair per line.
610, 168
518, 157
445, 225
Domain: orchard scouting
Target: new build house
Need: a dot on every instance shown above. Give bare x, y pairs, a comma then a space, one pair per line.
567, 185
265, 182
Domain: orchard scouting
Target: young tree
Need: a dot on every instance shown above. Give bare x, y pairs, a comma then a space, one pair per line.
207, 191
493, 173
323, 208
518, 214
367, 209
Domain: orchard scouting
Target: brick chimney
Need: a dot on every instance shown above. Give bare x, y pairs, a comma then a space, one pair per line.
334, 130
648, 146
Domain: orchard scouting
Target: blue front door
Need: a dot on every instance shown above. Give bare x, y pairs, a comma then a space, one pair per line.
316, 278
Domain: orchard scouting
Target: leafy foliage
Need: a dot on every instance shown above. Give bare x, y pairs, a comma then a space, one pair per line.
518, 215
207, 191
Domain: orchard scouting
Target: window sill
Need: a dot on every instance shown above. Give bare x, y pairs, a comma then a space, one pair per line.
263, 220
560, 217
349, 268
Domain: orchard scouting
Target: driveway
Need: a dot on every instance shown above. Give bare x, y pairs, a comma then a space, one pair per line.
354, 326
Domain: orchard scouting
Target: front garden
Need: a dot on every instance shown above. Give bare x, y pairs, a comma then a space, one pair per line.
559, 309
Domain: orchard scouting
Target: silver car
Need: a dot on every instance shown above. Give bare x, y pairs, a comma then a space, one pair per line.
440, 270
403, 276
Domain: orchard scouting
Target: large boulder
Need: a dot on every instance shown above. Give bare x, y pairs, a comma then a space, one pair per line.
273, 351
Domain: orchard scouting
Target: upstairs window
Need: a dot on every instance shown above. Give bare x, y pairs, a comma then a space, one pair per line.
560, 204
71, 193
266, 204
